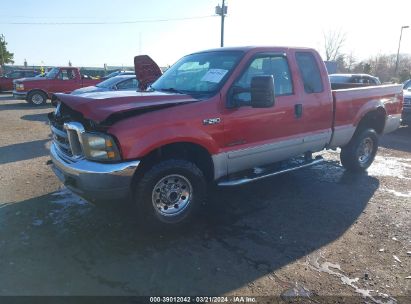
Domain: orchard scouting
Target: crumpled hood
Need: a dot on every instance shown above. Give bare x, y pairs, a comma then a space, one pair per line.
99, 106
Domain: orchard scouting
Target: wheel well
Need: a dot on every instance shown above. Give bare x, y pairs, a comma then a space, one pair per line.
37, 90
374, 119
183, 150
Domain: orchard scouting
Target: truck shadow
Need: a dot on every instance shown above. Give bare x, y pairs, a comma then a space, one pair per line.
23, 151
64, 245
21, 105
42, 117
398, 140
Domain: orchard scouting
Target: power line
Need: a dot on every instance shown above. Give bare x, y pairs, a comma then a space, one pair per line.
108, 22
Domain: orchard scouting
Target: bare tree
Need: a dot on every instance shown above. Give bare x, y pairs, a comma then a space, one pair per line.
333, 42
350, 61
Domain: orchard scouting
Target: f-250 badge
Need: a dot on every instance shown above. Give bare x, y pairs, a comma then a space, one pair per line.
211, 121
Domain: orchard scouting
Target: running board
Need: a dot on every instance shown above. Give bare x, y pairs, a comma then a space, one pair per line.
249, 179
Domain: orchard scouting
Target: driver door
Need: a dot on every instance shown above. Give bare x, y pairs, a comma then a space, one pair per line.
259, 136
65, 82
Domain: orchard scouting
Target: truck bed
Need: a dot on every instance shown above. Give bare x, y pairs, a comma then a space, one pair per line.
350, 105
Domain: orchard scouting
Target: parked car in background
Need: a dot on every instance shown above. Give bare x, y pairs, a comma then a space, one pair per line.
346, 81
116, 83
36, 90
118, 73
406, 85
6, 82
406, 111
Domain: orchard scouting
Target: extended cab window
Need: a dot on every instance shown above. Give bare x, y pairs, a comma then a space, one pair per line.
309, 72
277, 66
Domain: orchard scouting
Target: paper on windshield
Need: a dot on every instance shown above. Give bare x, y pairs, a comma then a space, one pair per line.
214, 75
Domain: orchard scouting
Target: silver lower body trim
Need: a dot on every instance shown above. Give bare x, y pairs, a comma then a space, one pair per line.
341, 136
392, 123
94, 180
246, 180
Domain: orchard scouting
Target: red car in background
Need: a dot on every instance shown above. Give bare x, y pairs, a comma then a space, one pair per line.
36, 90
6, 81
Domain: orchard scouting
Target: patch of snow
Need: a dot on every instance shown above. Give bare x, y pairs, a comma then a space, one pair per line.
65, 196
390, 166
327, 267
398, 194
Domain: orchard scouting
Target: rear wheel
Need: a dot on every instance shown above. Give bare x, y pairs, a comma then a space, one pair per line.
170, 192
360, 152
37, 98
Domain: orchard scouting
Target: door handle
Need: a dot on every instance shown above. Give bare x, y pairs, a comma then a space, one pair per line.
298, 110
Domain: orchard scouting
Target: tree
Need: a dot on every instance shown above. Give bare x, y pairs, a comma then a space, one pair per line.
333, 42
5, 55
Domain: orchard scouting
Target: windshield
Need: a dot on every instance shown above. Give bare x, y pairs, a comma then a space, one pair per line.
52, 73
108, 83
198, 73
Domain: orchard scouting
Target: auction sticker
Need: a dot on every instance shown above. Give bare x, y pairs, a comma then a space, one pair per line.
214, 75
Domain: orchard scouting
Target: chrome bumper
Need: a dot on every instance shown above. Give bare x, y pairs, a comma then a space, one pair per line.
93, 180
19, 95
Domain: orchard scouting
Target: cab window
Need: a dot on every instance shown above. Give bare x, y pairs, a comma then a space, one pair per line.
309, 72
66, 75
274, 65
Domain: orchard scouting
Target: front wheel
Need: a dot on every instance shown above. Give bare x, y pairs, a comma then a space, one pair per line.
37, 98
360, 152
170, 192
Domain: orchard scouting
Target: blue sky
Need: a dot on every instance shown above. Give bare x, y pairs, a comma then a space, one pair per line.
371, 27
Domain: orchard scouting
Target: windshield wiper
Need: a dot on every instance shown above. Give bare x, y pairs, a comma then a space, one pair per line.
172, 90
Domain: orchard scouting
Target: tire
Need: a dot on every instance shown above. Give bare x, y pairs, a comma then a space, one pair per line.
37, 98
170, 193
360, 152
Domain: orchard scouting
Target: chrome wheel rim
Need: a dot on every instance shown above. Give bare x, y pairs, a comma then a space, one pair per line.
365, 150
37, 99
172, 195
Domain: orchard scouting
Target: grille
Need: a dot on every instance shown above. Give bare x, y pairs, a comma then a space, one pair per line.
66, 142
407, 102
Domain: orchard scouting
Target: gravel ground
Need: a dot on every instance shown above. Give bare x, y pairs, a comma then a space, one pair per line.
311, 233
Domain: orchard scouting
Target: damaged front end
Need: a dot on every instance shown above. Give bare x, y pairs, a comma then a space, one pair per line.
85, 158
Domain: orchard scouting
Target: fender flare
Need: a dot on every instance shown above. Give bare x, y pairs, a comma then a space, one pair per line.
33, 90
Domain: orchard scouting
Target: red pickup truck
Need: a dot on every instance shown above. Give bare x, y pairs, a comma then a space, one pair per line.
36, 90
228, 116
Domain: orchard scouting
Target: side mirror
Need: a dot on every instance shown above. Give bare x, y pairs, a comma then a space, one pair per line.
262, 92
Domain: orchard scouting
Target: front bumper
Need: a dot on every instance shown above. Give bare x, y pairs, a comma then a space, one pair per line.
93, 180
19, 95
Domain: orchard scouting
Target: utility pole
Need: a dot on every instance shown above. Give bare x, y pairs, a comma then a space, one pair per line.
399, 45
222, 11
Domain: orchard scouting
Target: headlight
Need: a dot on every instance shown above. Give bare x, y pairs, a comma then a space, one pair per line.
100, 147
19, 87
